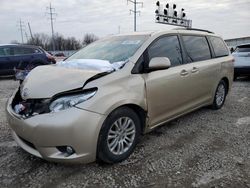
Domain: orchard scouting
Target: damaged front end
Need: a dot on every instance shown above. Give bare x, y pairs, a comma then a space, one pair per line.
38, 94
29, 107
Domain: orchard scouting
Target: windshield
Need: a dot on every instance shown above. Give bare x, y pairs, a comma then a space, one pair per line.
243, 48
114, 49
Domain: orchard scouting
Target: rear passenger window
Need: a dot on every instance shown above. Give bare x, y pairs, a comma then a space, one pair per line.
169, 47
197, 48
23, 51
220, 49
28, 50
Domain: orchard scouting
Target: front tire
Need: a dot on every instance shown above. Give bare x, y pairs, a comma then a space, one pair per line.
220, 95
119, 135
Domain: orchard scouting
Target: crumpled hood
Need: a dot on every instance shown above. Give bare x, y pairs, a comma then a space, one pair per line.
48, 80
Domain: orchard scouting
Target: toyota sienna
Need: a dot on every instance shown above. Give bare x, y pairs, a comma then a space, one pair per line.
96, 104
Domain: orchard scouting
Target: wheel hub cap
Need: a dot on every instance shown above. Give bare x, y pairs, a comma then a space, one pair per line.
220, 94
121, 135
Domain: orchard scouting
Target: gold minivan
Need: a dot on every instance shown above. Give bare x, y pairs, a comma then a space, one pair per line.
98, 102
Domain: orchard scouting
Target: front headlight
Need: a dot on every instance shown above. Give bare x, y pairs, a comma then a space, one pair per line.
70, 101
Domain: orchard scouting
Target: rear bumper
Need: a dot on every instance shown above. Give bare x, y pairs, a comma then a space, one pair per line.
242, 71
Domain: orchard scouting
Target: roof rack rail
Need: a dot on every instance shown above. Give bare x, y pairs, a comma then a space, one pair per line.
194, 29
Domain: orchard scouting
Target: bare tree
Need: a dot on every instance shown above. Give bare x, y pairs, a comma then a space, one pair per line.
40, 39
61, 43
89, 38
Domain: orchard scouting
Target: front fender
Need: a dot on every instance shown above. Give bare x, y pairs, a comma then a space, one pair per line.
114, 92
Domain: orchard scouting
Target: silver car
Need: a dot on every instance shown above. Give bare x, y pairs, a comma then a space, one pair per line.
242, 60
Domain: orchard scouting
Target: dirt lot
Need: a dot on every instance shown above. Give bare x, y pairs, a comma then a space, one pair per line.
205, 148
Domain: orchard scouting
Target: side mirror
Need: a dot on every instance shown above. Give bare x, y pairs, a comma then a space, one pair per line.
159, 63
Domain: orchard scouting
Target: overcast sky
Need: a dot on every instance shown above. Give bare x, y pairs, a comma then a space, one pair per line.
229, 18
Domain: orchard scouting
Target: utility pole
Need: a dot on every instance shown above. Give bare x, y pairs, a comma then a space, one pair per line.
119, 29
31, 35
135, 10
52, 18
26, 35
21, 28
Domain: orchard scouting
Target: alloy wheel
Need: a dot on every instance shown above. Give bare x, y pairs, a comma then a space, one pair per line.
121, 135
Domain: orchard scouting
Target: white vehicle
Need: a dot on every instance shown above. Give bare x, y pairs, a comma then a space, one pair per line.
242, 60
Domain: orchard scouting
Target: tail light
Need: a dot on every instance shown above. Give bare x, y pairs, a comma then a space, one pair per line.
50, 57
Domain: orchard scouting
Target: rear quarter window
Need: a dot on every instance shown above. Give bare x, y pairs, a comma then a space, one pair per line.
220, 49
197, 48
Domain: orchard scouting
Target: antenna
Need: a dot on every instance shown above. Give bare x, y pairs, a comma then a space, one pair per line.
135, 11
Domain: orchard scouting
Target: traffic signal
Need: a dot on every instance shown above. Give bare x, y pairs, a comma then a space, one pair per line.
165, 12
174, 6
175, 13
158, 3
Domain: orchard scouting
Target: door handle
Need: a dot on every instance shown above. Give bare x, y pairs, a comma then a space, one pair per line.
194, 70
184, 72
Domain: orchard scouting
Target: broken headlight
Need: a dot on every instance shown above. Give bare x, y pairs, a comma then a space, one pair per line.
66, 102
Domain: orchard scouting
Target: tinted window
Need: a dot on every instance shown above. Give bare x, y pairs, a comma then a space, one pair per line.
219, 47
167, 47
197, 48
5, 51
23, 51
28, 50
243, 48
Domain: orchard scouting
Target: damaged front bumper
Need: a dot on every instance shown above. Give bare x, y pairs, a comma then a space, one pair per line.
45, 135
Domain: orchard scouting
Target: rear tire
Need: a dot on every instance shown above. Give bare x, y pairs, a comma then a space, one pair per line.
220, 95
118, 136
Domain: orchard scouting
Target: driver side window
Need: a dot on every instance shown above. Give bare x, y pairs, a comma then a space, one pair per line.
169, 47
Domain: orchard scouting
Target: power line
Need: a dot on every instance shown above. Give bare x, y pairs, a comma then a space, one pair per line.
135, 10
52, 15
21, 28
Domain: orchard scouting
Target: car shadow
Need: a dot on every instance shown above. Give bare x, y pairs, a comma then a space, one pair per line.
243, 79
7, 78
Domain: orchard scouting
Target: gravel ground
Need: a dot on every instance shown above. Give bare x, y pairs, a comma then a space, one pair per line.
205, 148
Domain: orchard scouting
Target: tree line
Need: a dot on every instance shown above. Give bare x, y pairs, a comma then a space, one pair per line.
61, 43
